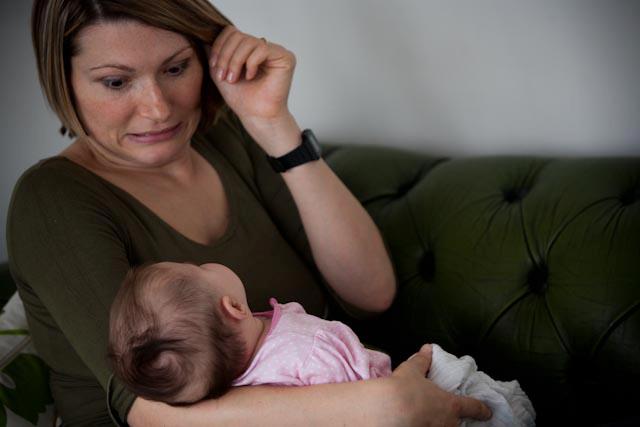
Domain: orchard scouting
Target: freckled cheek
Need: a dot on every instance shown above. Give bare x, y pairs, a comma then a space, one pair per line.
114, 116
189, 96
104, 118
114, 122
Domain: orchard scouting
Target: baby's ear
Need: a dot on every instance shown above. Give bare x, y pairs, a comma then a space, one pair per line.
234, 308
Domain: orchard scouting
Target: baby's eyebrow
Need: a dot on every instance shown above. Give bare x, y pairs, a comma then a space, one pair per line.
129, 69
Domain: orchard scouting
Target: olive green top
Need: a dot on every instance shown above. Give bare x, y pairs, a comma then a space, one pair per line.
72, 236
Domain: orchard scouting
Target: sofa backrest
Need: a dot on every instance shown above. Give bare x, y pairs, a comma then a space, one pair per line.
530, 265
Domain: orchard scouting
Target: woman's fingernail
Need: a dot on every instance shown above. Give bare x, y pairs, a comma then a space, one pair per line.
230, 77
220, 74
212, 61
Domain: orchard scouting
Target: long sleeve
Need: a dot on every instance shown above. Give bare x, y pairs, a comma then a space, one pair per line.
68, 258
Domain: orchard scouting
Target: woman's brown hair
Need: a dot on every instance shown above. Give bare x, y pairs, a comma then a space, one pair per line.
56, 23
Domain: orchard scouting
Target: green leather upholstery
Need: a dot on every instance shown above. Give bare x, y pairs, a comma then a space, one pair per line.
531, 265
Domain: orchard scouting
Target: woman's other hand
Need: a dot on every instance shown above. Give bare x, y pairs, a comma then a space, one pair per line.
253, 76
423, 403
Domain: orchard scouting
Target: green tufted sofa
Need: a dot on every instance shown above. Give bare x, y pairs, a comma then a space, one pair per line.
531, 265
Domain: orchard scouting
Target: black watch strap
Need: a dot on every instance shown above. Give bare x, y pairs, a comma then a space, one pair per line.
308, 151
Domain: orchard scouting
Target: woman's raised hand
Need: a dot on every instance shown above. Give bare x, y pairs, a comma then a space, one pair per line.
423, 403
253, 75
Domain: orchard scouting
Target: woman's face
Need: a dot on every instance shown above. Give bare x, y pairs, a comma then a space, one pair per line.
137, 92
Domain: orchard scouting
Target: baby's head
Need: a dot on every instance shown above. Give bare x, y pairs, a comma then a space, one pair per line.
173, 334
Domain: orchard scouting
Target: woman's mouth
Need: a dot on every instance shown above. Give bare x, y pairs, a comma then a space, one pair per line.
158, 135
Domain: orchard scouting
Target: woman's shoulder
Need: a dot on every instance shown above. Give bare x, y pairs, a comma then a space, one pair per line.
49, 198
52, 176
56, 184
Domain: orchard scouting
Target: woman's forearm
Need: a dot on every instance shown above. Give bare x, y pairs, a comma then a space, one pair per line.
406, 398
346, 244
358, 403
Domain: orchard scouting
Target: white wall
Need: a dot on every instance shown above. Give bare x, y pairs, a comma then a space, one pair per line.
450, 77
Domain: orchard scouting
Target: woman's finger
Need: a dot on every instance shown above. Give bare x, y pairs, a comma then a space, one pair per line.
219, 42
241, 55
226, 52
420, 361
257, 57
473, 408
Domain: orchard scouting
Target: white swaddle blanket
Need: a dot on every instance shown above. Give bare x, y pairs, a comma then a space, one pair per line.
509, 404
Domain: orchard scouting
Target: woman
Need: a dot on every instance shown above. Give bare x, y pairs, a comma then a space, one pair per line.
173, 110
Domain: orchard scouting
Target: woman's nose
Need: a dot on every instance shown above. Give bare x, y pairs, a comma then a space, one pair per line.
153, 103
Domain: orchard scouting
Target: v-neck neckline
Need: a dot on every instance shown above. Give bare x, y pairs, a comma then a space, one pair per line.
218, 166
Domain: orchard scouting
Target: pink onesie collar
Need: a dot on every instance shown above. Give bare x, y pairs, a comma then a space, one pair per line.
274, 314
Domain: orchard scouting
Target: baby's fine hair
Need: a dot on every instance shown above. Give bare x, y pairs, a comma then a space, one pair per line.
167, 339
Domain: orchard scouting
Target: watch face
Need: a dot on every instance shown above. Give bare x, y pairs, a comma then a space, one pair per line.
308, 136
308, 151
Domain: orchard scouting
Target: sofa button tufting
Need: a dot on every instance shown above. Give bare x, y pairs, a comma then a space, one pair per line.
630, 196
513, 195
426, 266
579, 370
537, 279
404, 189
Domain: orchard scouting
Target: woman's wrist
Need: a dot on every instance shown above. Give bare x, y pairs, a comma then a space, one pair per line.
277, 136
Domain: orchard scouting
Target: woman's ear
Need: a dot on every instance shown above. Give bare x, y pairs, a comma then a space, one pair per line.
234, 308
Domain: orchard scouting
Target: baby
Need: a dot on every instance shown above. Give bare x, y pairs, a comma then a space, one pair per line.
180, 333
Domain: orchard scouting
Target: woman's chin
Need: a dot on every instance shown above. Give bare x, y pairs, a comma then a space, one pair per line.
154, 154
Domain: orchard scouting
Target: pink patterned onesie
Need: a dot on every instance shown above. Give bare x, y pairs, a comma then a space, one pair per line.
301, 349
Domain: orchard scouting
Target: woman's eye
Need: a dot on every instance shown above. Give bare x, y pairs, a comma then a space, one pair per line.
115, 84
119, 83
176, 70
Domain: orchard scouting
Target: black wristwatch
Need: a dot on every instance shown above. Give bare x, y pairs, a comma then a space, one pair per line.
308, 151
